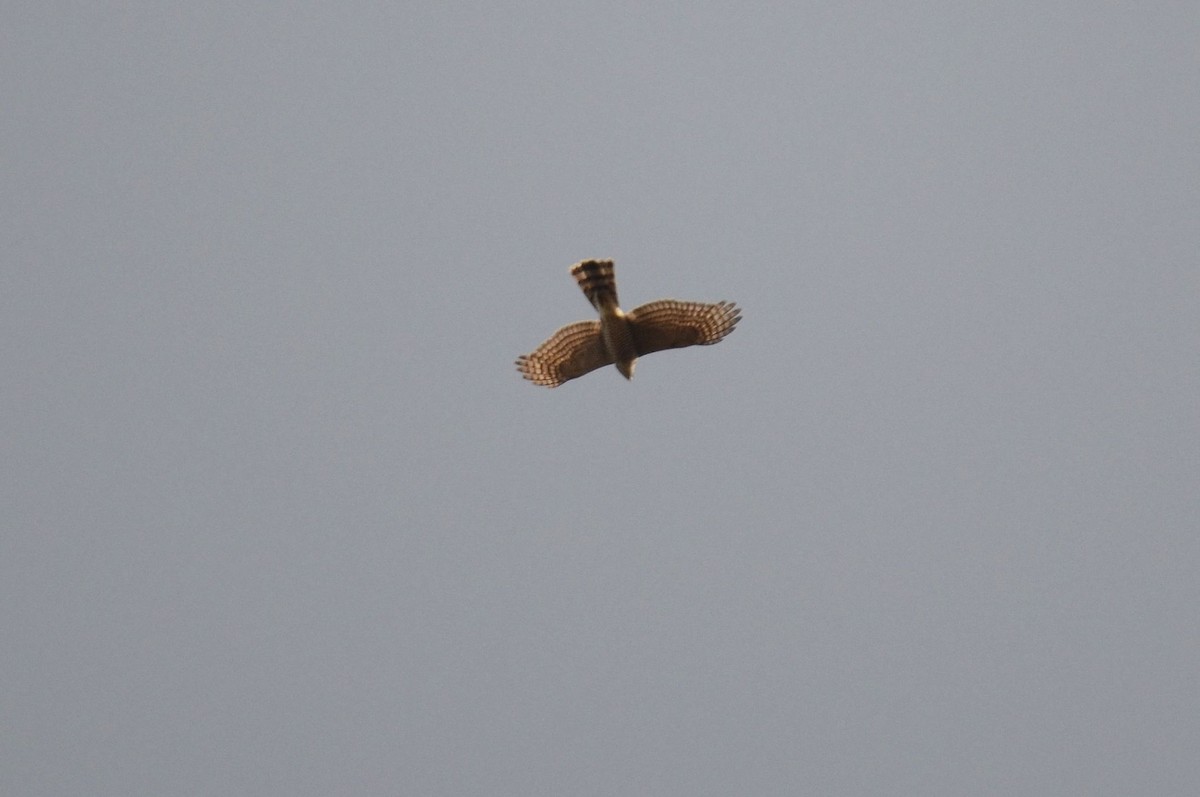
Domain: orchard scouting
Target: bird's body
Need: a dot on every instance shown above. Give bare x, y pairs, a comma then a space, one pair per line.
598, 281
619, 338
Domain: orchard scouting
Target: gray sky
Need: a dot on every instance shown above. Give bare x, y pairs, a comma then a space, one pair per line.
280, 517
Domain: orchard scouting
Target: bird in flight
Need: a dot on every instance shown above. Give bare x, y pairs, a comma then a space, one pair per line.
619, 338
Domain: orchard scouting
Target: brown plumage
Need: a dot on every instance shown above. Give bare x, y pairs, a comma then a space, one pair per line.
619, 338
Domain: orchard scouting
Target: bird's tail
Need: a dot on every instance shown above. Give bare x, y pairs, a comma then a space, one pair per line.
598, 281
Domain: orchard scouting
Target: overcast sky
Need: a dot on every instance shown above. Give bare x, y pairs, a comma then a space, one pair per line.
281, 518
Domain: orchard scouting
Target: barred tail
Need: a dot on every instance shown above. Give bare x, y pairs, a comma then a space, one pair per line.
598, 281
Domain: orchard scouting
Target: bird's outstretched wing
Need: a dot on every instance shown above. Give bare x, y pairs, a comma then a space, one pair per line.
672, 324
572, 351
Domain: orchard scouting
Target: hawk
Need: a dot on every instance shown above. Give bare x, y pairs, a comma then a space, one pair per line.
619, 338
